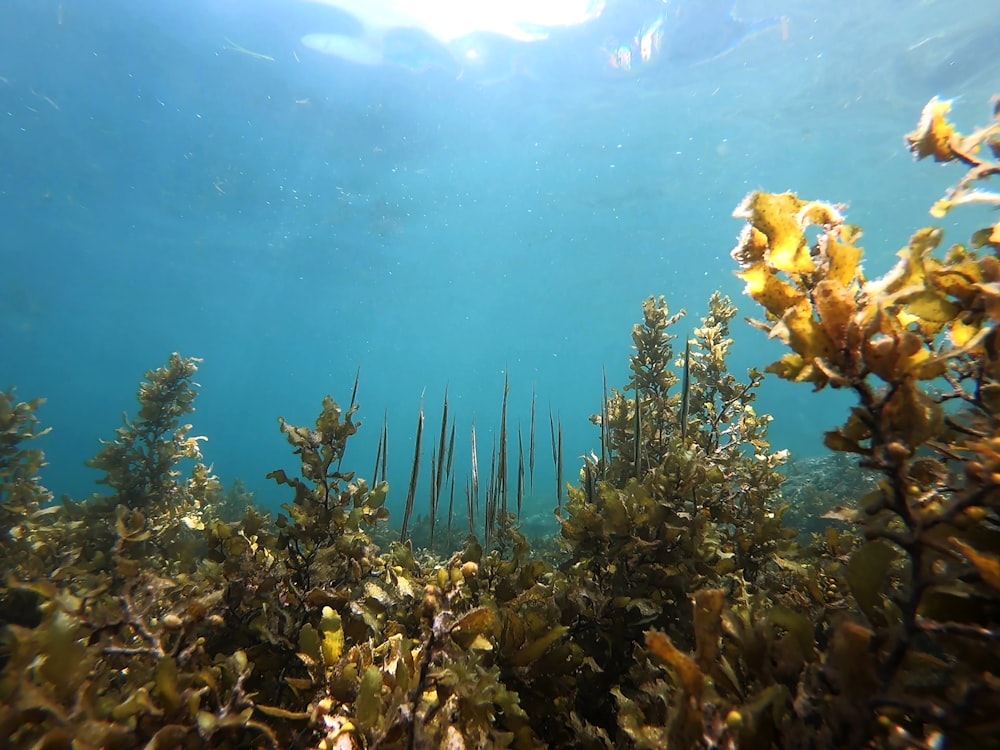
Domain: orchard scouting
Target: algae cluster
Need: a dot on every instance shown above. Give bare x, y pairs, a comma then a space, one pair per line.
678, 609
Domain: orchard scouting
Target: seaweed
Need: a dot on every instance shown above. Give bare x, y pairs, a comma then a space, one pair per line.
140, 464
685, 502
121, 609
21, 494
679, 609
236, 500
331, 508
919, 349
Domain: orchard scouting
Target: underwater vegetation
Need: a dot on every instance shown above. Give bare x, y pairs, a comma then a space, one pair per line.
815, 489
678, 608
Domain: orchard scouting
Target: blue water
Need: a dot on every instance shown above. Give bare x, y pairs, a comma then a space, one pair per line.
291, 219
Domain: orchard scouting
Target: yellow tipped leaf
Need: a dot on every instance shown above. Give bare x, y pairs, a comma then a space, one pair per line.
987, 565
333, 637
765, 288
777, 216
934, 133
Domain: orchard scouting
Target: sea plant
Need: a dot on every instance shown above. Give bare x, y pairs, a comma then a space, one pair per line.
21, 494
331, 509
920, 350
154, 505
236, 500
393, 652
116, 611
140, 464
678, 613
24, 501
696, 461
683, 498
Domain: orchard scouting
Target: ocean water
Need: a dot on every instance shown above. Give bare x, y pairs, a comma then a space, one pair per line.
189, 176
